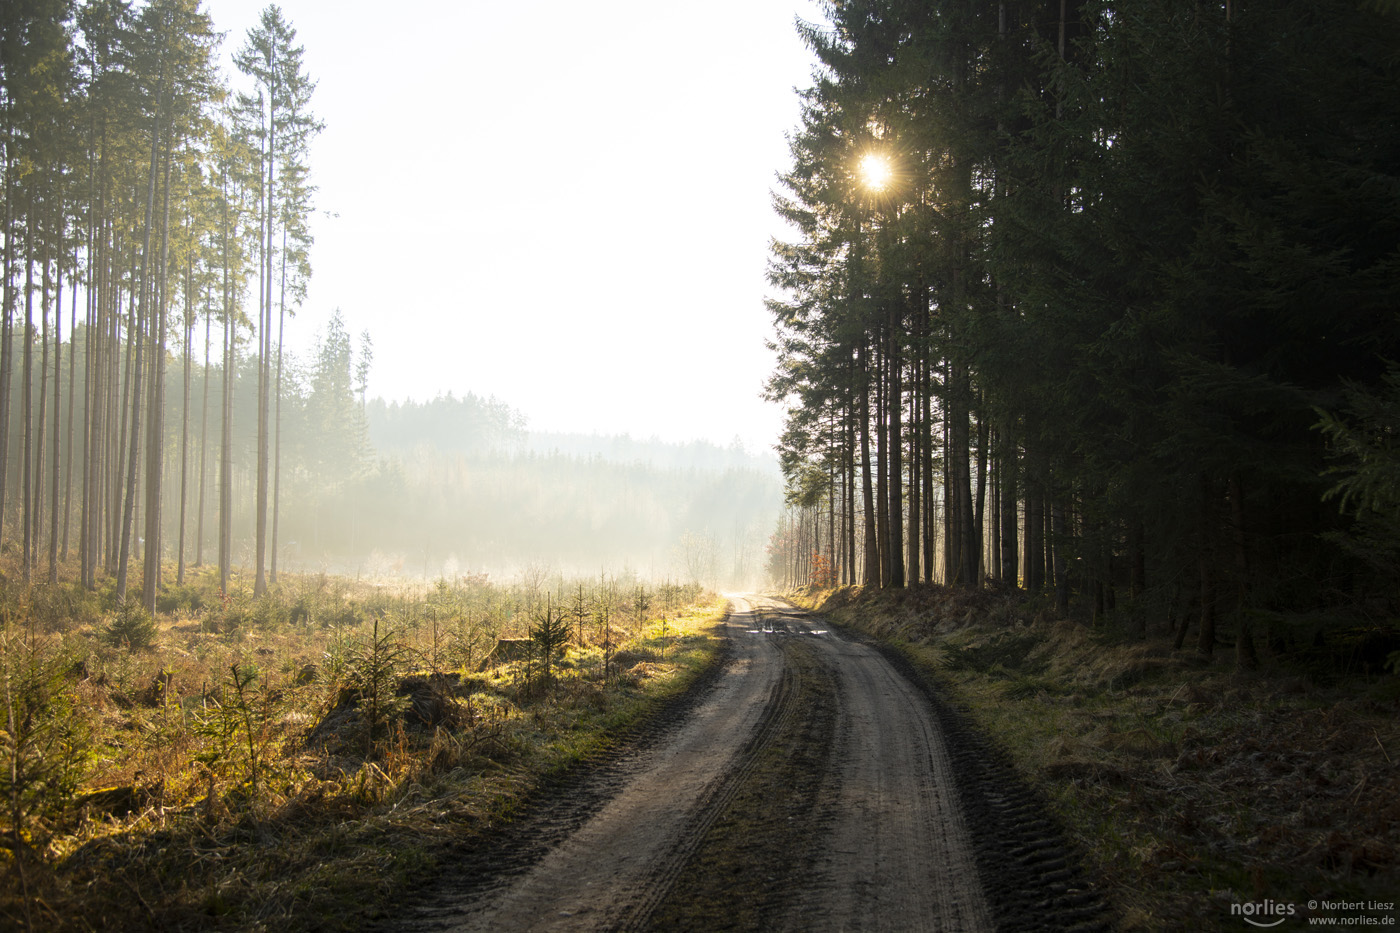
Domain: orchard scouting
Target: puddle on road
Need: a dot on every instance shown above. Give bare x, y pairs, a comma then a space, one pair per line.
769, 631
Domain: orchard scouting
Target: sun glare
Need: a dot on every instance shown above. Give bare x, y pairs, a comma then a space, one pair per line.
875, 171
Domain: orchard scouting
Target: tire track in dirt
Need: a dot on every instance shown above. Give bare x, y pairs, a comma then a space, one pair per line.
853, 825
898, 856
600, 868
817, 784
1033, 878
781, 712
763, 847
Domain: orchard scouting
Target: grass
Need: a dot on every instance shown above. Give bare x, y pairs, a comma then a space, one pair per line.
1190, 788
296, 760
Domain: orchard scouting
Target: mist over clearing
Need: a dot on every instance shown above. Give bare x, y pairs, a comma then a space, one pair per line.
460, 486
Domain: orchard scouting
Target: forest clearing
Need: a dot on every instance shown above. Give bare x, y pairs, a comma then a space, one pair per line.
293, 760
311, 758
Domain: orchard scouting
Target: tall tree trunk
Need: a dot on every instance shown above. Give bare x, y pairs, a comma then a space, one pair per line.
951, 538
833, 504
203, 437
871, 574
7, 313
980, 508
26, 406
185, 417
882, 500
226, 431
960, 470
138, 336
72, 411
277, 422
226, 444
132, 447
930, 479
264, 367
155, 433
119, 444
56, 456
118, 385
87, 555
911, 559
40, 461
850, 490
894, 395
993, 570
1009, 544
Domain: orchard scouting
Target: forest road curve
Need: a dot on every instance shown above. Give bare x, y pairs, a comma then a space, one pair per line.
807, 789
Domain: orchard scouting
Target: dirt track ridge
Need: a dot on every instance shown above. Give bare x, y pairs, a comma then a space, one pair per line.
813, 783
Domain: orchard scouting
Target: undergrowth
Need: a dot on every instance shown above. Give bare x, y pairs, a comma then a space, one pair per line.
1192, 789
291, 761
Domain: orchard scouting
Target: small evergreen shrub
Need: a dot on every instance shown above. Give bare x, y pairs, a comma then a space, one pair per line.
131, 628
45, 743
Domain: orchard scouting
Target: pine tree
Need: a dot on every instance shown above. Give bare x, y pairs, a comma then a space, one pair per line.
278, 119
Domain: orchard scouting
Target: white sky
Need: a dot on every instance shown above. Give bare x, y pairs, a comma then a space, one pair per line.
562, 204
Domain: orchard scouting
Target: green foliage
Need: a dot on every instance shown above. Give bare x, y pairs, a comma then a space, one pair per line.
44, 736
132, 628
466, 425
602, 613
549, 634
204, 732
61, 607
187, 599
641, 605
236, 719
338, 443
1365, 440
579, 610
373, 666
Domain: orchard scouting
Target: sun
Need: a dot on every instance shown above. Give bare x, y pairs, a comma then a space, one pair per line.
875, 171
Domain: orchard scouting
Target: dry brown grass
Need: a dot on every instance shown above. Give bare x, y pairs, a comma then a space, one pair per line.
1188, 786
320, 821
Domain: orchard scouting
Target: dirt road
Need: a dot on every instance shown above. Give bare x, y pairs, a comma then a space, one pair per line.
809, 786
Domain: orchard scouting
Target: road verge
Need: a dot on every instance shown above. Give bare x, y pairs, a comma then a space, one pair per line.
1192, 793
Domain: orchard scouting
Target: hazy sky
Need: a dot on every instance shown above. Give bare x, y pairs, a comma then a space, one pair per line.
562, 204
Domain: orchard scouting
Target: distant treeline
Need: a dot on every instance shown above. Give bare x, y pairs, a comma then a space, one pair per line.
451, 485
692, 455
156, 247
469, 425
459, 481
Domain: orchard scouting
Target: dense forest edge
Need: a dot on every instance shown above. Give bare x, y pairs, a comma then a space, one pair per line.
1098, 300
1087, 329
1187, 790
